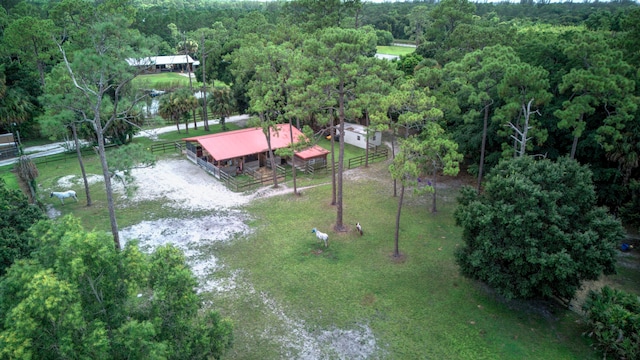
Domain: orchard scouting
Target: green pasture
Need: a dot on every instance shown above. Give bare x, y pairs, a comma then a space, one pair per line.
169, 81
418, 308
164, 81
395, 50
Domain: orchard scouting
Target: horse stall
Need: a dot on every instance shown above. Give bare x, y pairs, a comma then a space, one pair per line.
310, 159
243, 151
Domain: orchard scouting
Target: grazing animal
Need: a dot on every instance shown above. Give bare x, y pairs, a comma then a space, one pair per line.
359, 228
321, 236
63, 195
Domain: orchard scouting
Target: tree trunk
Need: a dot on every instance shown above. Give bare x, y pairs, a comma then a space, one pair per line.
396, 251
205, 114
339, 223
332, 132
483, 146
193, 111
272, 160
107, 182
393, 156
435, 180
81, 162
293, 159
366, 133
574, 146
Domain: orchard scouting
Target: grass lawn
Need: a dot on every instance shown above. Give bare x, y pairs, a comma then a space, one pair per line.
419, 308
395, 50
10, 180
169, 80
164, 80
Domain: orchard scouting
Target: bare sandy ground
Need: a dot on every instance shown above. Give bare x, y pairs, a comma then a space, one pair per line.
183, 185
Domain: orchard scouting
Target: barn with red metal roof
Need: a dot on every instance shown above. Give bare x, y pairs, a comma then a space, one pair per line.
237, 151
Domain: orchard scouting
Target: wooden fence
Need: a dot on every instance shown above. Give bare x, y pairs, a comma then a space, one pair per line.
70, 155
165, 146
375, 154
252, 179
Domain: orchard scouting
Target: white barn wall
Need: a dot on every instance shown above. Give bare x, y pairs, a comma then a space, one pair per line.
356, 135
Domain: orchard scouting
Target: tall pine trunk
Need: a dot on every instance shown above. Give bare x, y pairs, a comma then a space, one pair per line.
81, 162
205, 114
435, 180
396, 251
483, 146
366, 133
107, 181
339, 213
293, 159
193, 111
332, 133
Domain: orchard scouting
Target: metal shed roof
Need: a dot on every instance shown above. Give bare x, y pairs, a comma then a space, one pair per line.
238, 143
162, 60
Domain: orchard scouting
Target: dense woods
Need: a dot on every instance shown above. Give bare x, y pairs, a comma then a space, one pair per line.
484, 62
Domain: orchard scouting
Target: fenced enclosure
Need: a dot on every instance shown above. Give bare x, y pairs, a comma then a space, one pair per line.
165, 146
250, 178
253, 178
375, 154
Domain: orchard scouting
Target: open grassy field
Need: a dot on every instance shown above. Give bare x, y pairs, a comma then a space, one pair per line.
288, 286
395, 50
164, 81
168, 80
419, 308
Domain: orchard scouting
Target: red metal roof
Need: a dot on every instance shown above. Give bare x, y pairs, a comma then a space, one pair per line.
312, 152
238, 143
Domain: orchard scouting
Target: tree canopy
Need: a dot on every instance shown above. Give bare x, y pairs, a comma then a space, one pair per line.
16, 217
535, 231
79, 297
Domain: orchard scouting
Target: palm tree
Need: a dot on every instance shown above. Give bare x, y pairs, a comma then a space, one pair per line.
15, 107
176, 105
168, 109
222, 103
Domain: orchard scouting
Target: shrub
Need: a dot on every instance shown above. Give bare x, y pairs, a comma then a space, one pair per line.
614, 319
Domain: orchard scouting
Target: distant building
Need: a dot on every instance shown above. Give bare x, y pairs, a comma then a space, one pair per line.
387, 57
155, 64
356, 135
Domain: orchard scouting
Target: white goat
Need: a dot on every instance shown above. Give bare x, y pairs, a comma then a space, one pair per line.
359, 228
63, 195
321, 236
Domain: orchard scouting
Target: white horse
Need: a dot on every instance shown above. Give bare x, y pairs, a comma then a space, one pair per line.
321, 236
63, 195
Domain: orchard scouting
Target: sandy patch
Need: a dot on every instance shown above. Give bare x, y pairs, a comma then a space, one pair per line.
192, 236
184, 185
326, 344
70, 181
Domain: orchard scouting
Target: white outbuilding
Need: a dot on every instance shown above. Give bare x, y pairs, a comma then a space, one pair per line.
356, 135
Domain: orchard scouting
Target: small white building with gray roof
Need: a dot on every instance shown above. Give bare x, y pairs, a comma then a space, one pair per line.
165, 63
